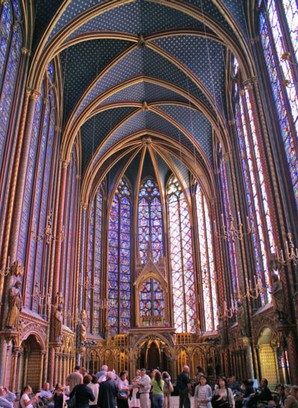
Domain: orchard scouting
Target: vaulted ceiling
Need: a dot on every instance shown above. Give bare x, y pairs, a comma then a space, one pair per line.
142, 75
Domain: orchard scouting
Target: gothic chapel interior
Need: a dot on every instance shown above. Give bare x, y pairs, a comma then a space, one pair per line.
148, 188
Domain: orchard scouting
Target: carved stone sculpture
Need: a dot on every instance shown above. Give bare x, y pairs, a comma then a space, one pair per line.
15, 304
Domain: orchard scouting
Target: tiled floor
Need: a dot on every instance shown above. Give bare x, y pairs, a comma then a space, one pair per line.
175, 402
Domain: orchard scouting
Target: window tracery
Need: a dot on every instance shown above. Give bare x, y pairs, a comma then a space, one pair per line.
150, 221
119, 270
94, 266
181, 259
278, 25
207, 263
256, 193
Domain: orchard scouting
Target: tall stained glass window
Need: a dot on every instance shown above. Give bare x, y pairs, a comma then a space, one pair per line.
278, 31
94, 262
11, 41
119, 274
207, 264
10, 53
68, 257
38, 191
150, 221
225, 182
181, 258
255, 187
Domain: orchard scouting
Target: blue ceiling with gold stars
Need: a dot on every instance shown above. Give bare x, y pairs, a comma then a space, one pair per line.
142, 67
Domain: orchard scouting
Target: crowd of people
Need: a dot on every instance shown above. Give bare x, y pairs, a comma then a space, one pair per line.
151, 389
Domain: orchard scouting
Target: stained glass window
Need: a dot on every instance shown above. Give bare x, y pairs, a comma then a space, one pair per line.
225, 183
38, 195
151, 303
278, 31
181, 258
207, 265
10, 56
69, 231
94, 262
119, 269
150, 221
256, 194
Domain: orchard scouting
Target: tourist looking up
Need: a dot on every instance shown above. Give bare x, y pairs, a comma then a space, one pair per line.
74, 378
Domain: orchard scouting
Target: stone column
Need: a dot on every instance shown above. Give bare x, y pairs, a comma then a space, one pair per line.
15, 358
59, 232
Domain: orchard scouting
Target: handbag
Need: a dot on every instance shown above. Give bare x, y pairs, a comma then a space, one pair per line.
71, 403
122, 395
138, 395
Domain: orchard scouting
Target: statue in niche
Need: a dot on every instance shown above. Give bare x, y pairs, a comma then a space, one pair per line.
15, 304
278, 298
241, 319
57, 323
83, 327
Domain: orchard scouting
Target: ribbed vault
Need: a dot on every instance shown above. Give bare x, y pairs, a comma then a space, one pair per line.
143, 81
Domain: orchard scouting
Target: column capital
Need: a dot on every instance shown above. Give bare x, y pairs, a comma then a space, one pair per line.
64, 163
25, 51
34, 94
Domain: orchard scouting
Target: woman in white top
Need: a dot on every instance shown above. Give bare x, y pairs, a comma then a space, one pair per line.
26, 401
94, 385
224, 393
203, 393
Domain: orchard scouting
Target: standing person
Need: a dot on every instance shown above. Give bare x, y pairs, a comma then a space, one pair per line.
135, 396
167, 388
102, 374
145, 386
74, 378
108, 392
198, 374
157, 390
6, 398
58, 396
83, 393
203, 393
94, 386
123, 390
224, 393
183, 383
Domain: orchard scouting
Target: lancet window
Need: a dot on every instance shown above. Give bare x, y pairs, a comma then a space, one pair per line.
207, 263
38, 190
68, 257
225, 182
94, 265
119, 268
255, 187
278, 32
150, 221
181, 258
11, 38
